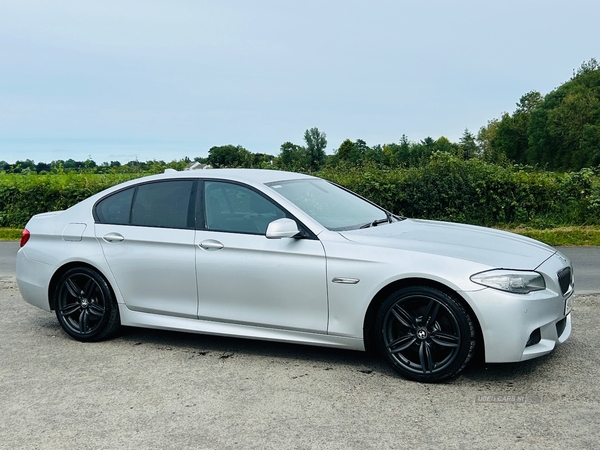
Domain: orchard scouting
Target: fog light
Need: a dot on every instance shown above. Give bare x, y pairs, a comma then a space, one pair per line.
568, 305
534, 338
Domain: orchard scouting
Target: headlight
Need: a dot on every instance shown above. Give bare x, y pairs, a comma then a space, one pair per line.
516, 281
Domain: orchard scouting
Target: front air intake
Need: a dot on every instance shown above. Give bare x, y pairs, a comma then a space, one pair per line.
564, 279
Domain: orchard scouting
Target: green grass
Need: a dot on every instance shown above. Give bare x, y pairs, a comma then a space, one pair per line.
10, 234
564, 236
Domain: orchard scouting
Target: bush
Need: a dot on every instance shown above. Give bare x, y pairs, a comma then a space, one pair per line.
447, 188
479, 193
22, 196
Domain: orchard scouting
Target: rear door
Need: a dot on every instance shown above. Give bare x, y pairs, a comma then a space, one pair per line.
147, 236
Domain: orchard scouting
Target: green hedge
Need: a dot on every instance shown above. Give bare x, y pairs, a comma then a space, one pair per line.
479, 193
445, 189
22, 196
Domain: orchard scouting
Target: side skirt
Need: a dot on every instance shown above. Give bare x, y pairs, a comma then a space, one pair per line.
147, 320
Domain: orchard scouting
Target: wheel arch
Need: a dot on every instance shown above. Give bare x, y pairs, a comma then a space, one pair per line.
385, 292
62, 270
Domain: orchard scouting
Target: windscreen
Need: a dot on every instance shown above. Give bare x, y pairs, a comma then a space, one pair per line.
333, 207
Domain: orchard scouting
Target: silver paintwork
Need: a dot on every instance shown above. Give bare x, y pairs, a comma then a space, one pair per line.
276, 287
282, 228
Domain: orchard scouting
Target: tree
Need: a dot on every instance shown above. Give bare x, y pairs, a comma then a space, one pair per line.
229, 156
484, 140
315, 145
443, 144
468, 145
401, 154
42, 167
528, 102
563, 129
586, 67
376, 155
28, 166
293, 157
512, 133
421, 151
70, 164
357, 153
348, 153
261, 160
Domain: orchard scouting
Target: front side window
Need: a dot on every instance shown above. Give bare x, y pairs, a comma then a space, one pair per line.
163, 204
235, 208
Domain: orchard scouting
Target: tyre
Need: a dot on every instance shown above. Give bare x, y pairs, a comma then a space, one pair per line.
85, 305
425, 334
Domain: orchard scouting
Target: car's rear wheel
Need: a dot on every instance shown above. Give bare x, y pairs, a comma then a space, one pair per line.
425, 334
85, 305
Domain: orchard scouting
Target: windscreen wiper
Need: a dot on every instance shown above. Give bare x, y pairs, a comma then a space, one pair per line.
388, 219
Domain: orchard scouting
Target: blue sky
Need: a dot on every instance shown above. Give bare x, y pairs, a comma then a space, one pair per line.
126, 79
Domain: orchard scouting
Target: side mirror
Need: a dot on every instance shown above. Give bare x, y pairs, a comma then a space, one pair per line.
282, 228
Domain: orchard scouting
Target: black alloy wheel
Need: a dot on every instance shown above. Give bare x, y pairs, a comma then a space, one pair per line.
425, 334
85, 305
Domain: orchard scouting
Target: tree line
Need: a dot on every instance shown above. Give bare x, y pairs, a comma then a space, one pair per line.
559, 131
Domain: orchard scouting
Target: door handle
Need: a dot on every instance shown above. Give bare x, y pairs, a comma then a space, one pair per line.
210, 244
113, 237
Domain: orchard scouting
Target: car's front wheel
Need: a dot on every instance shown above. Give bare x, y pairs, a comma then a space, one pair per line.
425, 334
85, 305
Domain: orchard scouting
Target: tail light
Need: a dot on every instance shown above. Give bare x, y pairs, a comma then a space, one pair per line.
25, 235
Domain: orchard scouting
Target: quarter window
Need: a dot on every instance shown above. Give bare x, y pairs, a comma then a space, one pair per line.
115, 209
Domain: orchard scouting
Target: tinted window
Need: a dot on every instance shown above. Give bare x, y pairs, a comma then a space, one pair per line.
163, 204
115, 209
235, 208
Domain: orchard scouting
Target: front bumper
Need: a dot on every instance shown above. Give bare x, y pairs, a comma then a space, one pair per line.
518, 327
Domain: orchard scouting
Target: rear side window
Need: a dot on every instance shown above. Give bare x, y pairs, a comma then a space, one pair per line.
164, 204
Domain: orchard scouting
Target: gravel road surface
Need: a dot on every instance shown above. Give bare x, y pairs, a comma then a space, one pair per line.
154, 389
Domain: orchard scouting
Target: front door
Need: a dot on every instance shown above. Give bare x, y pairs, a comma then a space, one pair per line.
245, 278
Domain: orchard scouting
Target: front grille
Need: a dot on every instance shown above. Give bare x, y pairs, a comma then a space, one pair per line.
564, 279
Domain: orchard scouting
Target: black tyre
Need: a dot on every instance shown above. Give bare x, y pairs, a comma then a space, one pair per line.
85, 305
425, 334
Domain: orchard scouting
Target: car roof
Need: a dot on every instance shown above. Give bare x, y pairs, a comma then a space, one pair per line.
248, 176
262, 176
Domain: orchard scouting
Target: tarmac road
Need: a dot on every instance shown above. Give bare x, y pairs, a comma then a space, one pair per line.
8, 255
586, 266
156, 389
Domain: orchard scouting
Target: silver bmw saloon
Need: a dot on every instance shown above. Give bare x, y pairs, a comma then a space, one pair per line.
282, 256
